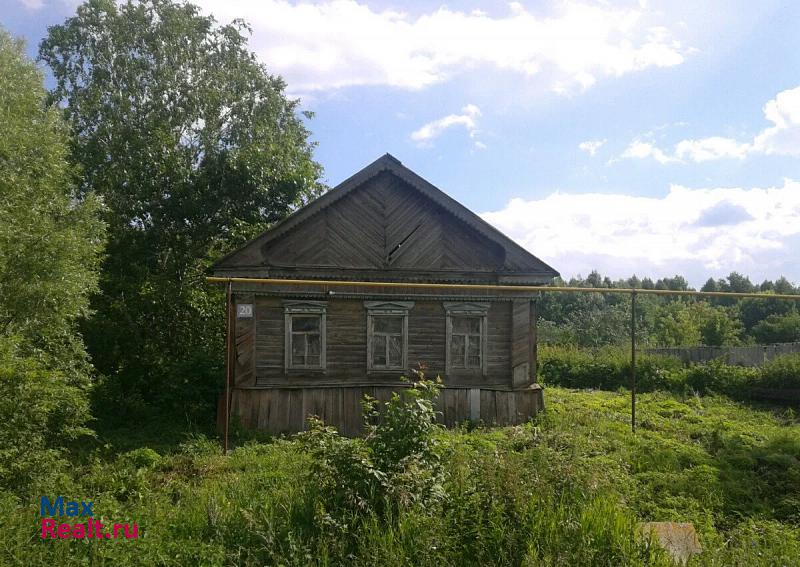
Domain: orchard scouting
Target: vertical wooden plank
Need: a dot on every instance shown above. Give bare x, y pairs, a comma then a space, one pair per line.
463, 405
512, 408
273, 410
502, 408
448, 406
488, 407
534, 340
304, 408
244, 341
474, 404
263, 410
295, 419
253, 407
520, 342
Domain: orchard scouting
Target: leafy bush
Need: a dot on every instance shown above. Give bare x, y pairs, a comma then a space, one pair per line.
395, 466
781, 372
721, 378
42, 414
778, 329
605, 369
609, 369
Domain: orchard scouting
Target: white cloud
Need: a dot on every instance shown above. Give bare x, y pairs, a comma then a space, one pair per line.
692, 231
591, 146
340, 43
711, 148
432, 130
704, 149
782, 138
643, 150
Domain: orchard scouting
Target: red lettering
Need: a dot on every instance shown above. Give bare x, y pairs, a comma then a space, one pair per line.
134, 533
48, 528
79, 532
64, 531
116, 528
97, 527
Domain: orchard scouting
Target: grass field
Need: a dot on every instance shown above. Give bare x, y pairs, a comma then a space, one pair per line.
568, 488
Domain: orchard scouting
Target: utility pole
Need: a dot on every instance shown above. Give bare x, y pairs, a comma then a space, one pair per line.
633, 362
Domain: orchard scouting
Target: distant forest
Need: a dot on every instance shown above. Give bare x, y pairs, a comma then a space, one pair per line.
597, 319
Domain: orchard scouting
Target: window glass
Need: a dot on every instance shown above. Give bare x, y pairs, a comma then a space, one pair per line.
313, 343
298, 349
379, 350
305, 324
384, 324
306, 341
457, 350
465, 342
395, 350
387, 342
474, 351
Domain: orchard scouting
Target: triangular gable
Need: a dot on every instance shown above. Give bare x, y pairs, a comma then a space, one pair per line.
385, 222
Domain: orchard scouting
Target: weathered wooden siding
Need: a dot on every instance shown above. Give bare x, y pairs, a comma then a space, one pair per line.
285, 410
347, 345
385, 224
244, 370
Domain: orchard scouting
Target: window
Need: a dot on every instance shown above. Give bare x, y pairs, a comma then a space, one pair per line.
387, 335
305, 335
465, 342
466, 337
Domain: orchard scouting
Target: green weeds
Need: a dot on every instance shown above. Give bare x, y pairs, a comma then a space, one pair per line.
566, 489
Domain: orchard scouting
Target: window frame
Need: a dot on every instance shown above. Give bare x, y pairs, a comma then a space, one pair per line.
467, 309
292, 309
377, 309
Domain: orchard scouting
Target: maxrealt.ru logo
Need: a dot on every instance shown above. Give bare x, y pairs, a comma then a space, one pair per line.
89, 528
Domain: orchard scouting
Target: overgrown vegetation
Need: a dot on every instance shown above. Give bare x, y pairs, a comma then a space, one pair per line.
609, 368
598, 319
166, 143
194, 148
50, 245
567, 489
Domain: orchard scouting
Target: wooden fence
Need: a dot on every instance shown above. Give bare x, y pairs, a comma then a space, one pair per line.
741, 356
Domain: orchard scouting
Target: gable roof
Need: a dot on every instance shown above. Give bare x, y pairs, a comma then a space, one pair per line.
529, 267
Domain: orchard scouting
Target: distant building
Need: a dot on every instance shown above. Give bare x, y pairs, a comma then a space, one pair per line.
316, 349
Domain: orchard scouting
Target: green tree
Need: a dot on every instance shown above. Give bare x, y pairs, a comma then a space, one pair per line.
778, 329
718, 325
676, 324
50, 241
195, 148
754, 310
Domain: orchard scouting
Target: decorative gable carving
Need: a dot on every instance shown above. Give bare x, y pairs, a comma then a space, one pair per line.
385, 219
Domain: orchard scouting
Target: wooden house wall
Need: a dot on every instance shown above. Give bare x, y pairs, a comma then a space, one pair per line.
346, 360
285, 410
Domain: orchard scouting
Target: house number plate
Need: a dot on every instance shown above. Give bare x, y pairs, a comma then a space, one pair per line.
244, 310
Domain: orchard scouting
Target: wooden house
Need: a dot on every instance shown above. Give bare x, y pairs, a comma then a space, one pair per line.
315, 348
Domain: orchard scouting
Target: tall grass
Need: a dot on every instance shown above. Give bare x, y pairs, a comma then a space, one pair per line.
566, 489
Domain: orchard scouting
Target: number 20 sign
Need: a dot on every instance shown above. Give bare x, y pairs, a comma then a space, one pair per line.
244, 310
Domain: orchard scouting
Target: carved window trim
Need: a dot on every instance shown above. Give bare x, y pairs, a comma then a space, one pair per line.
293, 309
467, 309
376, 309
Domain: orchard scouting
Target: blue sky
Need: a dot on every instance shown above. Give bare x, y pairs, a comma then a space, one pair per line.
648, 137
